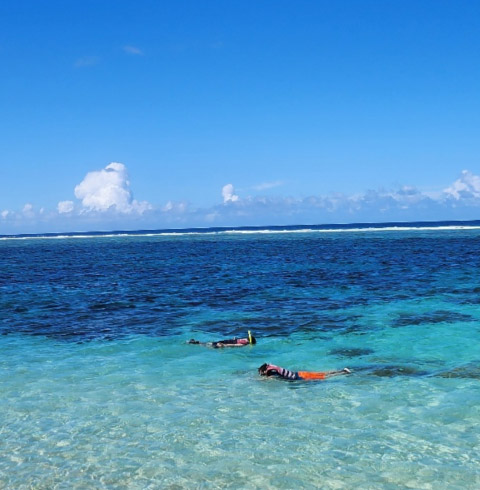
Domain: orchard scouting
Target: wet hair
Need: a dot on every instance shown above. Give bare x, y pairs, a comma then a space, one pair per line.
254, 340
263, 368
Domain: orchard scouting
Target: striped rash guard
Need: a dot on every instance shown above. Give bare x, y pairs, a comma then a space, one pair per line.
273, 370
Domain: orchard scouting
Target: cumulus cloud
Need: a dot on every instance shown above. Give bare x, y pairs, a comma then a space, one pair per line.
65, 207
228, 193
133, 50
109, 189
28, 210
175, 207
405, 203
106, 202
466, 187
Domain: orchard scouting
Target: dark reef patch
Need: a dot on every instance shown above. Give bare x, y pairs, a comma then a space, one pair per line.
471, 370
440, 316
351, 352
389, 370
392, 371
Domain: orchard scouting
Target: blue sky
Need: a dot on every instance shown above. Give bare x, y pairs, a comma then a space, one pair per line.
148, 114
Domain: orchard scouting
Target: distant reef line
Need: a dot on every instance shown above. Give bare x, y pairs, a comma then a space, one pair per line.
325, 228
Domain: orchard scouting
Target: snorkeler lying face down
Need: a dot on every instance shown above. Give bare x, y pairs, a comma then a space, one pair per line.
249, 340
272, 370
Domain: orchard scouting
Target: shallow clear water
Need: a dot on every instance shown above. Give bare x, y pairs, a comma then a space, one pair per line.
99, 390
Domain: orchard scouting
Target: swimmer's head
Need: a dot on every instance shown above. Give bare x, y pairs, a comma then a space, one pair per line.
251, 339
262, 370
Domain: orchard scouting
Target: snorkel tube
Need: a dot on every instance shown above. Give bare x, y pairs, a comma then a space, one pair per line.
250, 341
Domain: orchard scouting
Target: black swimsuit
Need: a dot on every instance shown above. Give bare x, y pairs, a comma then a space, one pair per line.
224, 342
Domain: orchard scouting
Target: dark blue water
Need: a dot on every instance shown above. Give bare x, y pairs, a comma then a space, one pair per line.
107, 287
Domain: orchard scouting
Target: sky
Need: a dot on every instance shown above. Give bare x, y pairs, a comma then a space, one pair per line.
119, 115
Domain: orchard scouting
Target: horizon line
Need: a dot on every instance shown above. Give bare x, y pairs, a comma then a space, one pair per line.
328, 227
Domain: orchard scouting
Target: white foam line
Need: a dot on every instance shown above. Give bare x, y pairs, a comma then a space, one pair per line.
249, 232
107, 235
354, 230
266, 231
401, 228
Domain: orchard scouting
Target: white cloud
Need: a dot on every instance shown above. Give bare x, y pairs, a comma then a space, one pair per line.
133, 50
267, 185
106, 202
168, 207
28, 210
175, 207
64, 207
404, 203
466, 187
228, 193
109, 189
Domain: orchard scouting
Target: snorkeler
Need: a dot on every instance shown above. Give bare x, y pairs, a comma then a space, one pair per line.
272, 370
250, 340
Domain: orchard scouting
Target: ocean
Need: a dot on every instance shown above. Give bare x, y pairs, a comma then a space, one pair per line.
99, 388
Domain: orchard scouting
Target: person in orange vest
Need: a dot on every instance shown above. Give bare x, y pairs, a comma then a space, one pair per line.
272, 370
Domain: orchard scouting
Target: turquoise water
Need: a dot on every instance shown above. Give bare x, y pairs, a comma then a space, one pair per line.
100, 390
